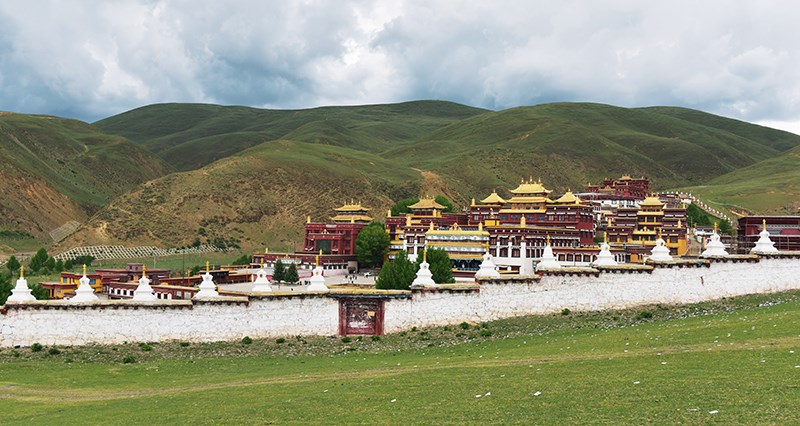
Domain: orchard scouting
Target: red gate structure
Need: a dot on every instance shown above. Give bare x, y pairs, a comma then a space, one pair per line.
360, 316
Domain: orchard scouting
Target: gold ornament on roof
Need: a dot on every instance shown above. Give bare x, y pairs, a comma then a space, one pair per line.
21, 271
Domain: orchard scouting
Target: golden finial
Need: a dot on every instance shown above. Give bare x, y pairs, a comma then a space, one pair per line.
266, 250
680, 224
609, 222
144, 270
659, 233
208, 267
764, 223
424, 255
308, 219
605, 237
352, 219
480, 226
389, 213
84, 269
408, 219
548, 239
715, 227
317, 261
522, 221
472, 203
22, 271
430, 226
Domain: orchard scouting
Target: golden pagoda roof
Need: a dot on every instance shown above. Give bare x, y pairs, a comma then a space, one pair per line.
530, 187
351, 218
493, 198
624, 178
651, 201
427, 203
568, 198
352, 207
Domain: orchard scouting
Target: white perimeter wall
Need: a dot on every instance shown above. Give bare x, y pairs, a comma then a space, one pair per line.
57, 322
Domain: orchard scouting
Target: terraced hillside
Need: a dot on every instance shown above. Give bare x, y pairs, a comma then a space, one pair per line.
55, 170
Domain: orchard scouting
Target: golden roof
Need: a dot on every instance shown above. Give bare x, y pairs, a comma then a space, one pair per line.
352, 207
568, 198
493, 198
651, 201
351, 218
427, 203
624, 178
530, 187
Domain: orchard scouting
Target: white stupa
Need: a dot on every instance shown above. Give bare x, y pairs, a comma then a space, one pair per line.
84, 292
317, 280
143, 291
488, 269
261, 282
548, 261
208, 290
21, 292
605, 258
715, 246
764, 243
424, 275
660, 252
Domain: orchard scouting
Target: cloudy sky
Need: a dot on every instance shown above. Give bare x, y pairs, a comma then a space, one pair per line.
92, 59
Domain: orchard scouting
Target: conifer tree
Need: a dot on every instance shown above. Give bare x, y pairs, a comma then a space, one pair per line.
440, 266
397, 274
12, 264
291, 276
386, 279
278, 272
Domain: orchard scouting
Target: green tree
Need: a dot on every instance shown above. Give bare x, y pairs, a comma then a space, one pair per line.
372, 244
278, 271
39, 292
13, 264
397, 274
59, 266
68, 265
725, 227
440, 265
244, 259
194, 271
448, 206
291, 274
402, 206
39, 260
51, 264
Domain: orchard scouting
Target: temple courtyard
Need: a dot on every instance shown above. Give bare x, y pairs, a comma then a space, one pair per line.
732, 361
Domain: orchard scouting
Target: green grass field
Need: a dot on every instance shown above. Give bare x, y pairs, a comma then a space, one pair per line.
735, 361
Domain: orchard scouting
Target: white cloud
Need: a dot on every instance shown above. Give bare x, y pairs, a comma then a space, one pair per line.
737, 59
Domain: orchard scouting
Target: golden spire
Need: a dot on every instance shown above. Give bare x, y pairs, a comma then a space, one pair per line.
84, 269
472, 203
408, 219
208, 268
715, 227
352, 219
22, 271
548, 239
680, 224
144, 270
430, 226
389, 213
659, 233
317, 261
522, 221
764, 223
266, 250
609, 222
480, 226
424, 255
308, 219
605, 237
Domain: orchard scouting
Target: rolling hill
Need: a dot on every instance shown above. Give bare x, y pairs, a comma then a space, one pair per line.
252, 176
57, 170
189, 136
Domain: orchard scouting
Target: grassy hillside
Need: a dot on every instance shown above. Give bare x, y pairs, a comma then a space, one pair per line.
56, 170
193, 135
728, 362
570, 144
259, 190
770, 186
259, 196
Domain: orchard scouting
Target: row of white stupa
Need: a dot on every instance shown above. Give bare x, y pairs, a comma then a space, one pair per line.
144, 293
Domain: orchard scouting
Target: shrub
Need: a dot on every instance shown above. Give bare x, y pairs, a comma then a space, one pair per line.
36, 347
346, 339
145, 347
246, 340
486, 332
184, 344
54, 351
414, 328
644, 315
464, 325
375, 338
280, 340
130, 359
565, 311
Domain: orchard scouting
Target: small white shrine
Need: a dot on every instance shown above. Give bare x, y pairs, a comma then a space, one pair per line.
488, 269
261, 282
21, 292
605, 257
208, 290
714, 246
317, 280
764, 243
424, 275
549, 260
144, 292
84, 292
660, 252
